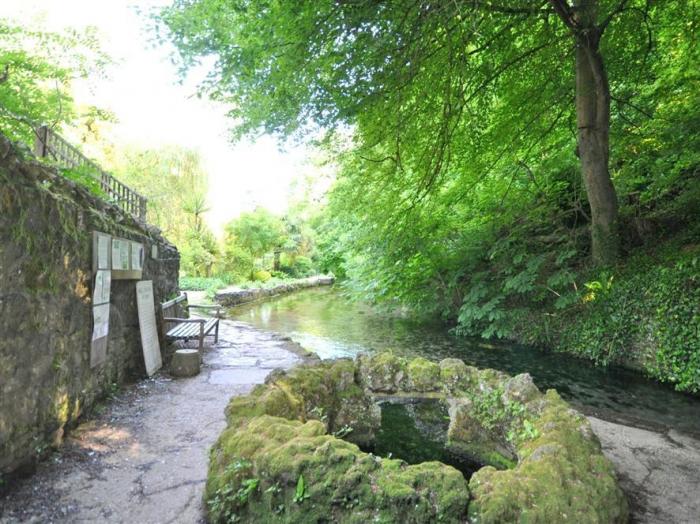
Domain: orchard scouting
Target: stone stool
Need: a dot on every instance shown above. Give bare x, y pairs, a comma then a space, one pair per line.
185, 363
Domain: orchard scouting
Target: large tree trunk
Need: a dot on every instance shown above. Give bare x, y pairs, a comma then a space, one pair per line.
593, 119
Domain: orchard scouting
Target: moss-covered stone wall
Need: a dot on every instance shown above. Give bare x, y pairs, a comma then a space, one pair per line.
46, 381
289, 453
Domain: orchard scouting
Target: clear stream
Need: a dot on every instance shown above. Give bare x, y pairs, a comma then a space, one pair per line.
324, 321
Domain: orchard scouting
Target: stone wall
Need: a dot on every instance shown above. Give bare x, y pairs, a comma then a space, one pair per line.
46, 382
233, 296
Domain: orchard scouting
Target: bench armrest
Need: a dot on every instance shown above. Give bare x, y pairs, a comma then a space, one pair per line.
217, 307
184, 320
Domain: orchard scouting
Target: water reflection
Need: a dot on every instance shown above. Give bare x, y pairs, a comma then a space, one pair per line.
323, 321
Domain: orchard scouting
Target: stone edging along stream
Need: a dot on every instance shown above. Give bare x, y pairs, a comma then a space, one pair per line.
290, 452
233, 296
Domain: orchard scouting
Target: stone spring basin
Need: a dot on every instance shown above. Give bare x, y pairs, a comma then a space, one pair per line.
282, 458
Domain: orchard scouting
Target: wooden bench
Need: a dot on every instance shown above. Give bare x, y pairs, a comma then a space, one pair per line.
177, 328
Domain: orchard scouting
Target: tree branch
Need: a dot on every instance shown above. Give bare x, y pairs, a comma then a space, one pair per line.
562, 8
620, 7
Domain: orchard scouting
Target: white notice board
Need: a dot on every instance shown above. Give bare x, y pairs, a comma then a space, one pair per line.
147, 323
120, 254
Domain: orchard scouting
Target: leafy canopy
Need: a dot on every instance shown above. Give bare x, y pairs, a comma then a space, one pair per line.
37, 69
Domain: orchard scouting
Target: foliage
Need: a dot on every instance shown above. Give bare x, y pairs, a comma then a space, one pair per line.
649, 313
253, 236
236, 262
37, 69
262, 276
298, 266
258, 231
85, 177
459, 188
208, 284
175, 183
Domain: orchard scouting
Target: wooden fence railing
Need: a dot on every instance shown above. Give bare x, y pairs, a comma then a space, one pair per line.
49, 144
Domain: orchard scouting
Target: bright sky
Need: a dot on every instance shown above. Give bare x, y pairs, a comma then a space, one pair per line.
154, 110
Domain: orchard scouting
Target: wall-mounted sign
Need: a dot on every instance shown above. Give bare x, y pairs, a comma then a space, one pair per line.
120, 254
102, 245
100, 334
103, 284
136, 256
124, 257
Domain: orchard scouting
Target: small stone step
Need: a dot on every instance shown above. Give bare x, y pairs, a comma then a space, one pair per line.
185, 363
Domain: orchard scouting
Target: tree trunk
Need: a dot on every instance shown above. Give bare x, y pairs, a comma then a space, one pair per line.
593, 120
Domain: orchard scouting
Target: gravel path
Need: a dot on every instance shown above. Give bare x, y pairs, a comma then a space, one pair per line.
144, 458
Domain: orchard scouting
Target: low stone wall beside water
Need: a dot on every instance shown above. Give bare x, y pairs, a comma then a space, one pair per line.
233, 296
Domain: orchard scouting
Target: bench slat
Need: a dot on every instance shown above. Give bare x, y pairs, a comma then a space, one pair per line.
190, 330
184, 330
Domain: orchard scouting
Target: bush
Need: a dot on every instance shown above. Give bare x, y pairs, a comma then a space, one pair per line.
299, 267
210, 285
262, 276
238, 264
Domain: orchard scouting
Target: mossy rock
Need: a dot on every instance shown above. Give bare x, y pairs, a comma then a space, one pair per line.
327, 391
456, 376
423, 375
561, 475
383, 372
270, 469
542, 462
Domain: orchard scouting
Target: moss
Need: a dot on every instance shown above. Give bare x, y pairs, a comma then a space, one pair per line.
423, 375
383, 372
327, 392
544, 463
456, 376
469, 436
341, 483
561, 475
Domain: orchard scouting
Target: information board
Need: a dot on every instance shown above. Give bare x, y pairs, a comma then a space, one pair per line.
100, 334
147, 323
136, 256
120, 254
103, 285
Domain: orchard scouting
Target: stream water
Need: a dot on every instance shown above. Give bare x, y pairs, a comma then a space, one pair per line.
324, 321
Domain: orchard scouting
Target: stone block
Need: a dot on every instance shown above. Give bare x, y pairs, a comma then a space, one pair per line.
185, 363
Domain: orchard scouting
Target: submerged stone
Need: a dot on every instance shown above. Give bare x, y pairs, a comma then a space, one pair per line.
289, 453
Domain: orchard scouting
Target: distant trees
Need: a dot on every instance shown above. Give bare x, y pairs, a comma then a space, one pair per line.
255, 236
176, 185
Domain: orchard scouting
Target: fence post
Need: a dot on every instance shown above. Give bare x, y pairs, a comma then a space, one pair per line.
41, 140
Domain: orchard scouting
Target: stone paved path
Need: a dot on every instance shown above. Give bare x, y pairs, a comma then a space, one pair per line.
144, 459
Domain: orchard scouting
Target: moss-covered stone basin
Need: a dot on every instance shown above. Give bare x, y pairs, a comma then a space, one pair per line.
292, 451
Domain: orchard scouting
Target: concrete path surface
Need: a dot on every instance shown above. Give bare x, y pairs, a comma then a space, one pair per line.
144, 458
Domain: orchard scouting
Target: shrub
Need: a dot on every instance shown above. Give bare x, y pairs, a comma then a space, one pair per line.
298, 267
262, 276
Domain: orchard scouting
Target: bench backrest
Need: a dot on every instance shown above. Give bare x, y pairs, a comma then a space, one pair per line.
175, 308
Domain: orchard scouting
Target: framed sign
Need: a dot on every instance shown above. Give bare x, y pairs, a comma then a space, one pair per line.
103, 284
125, 258
100, 334
120, 254
136, 256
